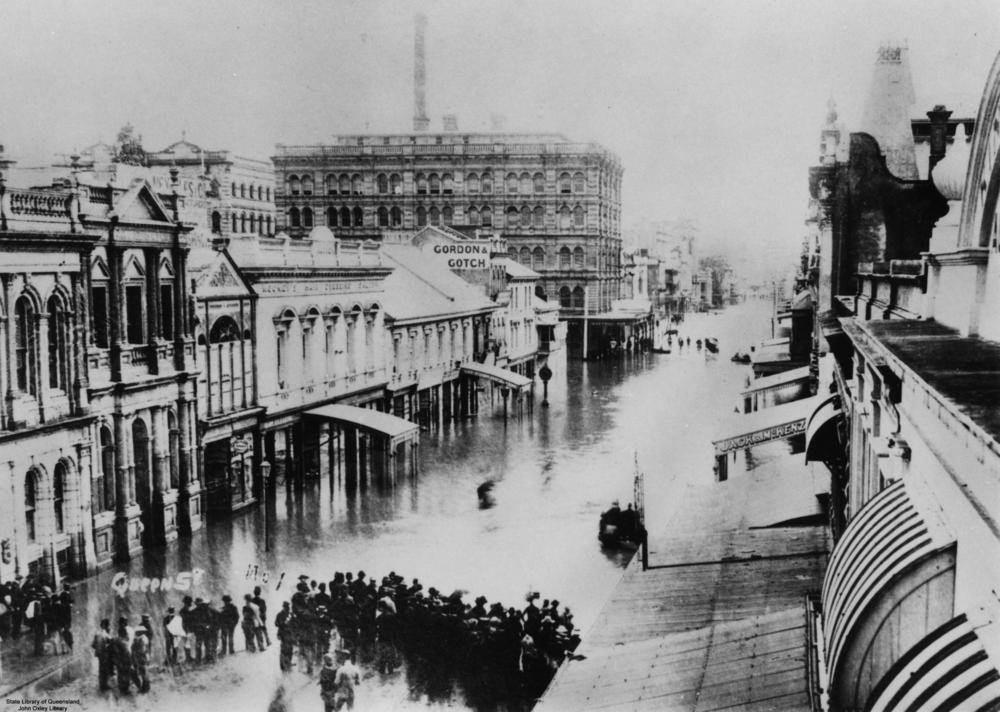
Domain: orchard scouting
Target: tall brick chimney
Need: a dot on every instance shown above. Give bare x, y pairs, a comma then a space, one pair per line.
939, 133
420, 120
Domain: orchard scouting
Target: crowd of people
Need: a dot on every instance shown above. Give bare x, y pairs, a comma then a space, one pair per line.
487, 646
28, 602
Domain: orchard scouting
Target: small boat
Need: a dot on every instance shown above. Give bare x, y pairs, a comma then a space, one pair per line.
740, 358
712, 344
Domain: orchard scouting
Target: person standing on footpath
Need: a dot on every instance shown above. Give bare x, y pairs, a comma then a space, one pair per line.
105, 655
328, 684
140, 660
348, 676
251, 623
173, 630
284, 624
123, 659
262, 611
229, 619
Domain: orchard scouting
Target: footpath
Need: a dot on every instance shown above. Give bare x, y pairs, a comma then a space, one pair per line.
719, 620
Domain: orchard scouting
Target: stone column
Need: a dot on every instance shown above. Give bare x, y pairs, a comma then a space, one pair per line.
161, 470
17, 509
85, 555
122, 491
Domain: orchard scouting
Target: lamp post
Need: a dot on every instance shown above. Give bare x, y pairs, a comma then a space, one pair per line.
504, 392
265, 473
545, 373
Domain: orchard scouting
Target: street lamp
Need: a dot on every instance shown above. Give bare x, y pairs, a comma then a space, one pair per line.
504, 392
545, 373
265, 474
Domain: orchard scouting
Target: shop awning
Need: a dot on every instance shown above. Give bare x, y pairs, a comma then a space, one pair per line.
949, 668
496, 374
785, 378
821, 429
396, 429
777, 423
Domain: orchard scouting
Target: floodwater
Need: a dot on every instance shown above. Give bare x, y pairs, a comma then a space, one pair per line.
555, 469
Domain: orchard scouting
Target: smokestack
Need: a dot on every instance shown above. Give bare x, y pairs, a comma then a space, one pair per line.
420, 120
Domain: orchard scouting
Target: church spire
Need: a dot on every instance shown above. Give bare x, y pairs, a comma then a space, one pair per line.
888, 109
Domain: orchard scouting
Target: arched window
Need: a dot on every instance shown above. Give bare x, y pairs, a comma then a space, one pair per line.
578, 257
253, 223
565, 218
331, 184
579, 182
293, 218
173, 449
447, 215
216, 222
537, 258
103, 487
565, 297
435, 184
307, 217
345, 217
524, 183
512, 253
525, 216
224, 329
58, 344
243, 222
539, 182
359, 217
512, 216
235, 226
565, 183
357, 187
331, 217
232, 188
267, 194
565, 257
24, 344
396, 184
243, 190
447, 184
383, 217
396, 217
30, 501
524, 256
58, 495
579, 216
267, 222
472, 183
473, 216
434, 216
538, 217
512, 182
344, 184
307, 185
486, 183
578, 297
421, 216
382, 183
486, 216
421, 184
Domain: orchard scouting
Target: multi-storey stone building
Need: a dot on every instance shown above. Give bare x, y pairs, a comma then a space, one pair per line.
557, 203
98, 424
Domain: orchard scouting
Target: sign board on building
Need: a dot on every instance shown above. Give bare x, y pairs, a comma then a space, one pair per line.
756, 437
463, 256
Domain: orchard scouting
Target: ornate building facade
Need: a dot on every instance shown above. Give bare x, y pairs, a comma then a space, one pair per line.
557, 203
98, 426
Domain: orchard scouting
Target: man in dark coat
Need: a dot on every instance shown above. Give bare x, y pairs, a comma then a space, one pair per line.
285, 625
169, 639
122, 654
105, 655
261, 604
229, 619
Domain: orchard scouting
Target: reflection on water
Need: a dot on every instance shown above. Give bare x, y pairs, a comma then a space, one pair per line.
553, 471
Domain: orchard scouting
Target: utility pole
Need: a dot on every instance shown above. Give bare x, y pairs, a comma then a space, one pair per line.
586, 312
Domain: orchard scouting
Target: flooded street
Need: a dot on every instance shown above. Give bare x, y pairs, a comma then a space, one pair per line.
555, 470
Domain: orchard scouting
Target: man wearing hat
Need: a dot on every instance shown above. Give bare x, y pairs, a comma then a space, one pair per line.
328, 684
105, 654
348, 675
229, 618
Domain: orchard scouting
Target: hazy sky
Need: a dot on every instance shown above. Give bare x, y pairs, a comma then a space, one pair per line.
714, 106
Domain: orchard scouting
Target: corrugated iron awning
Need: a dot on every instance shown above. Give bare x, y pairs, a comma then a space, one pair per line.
777, 380
497, 374
821, 427
948, 669
394, 428
777, 423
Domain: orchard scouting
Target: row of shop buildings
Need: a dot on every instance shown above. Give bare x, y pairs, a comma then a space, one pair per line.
885, 373
160, 365
857, 555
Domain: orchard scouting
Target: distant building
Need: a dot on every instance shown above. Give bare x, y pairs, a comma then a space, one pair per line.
556, 202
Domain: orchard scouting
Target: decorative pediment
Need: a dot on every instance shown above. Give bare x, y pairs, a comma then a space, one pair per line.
134, 269
166, 269
223, 277
99, 270
140, 204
